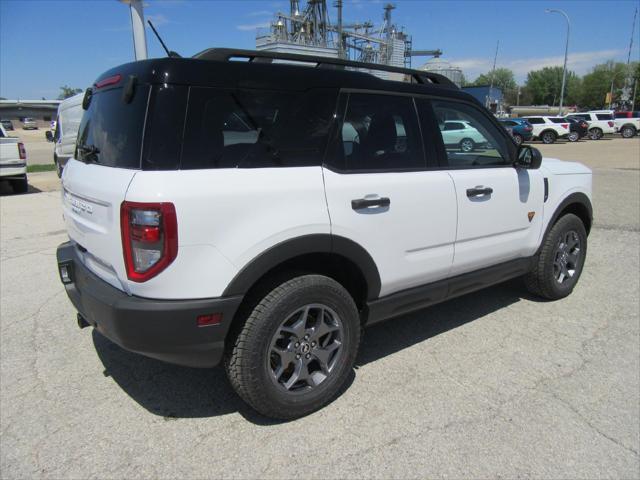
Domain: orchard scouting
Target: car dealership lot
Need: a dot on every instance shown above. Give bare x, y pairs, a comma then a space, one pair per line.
495, 383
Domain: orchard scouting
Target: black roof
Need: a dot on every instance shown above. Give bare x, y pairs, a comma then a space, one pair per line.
216, 67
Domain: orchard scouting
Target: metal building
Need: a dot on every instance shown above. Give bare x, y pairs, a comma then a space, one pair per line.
443, 67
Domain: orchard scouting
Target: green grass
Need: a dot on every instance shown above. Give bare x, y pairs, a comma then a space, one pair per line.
48, 167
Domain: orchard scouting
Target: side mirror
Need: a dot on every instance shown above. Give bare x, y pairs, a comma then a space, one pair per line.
528, 157
49, 135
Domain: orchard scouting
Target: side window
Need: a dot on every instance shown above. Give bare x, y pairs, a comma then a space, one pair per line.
379, 132
604, 116
480, 143
245, 128
535, 120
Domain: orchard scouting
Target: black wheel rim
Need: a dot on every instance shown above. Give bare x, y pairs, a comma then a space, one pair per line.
566, 259
305, 349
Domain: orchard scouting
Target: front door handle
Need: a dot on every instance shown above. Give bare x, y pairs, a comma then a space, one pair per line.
360, 203
479, 191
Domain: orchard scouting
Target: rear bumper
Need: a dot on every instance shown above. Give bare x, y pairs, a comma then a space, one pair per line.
161, 329
13, 170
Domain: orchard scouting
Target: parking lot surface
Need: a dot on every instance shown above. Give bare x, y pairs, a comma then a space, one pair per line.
493, 384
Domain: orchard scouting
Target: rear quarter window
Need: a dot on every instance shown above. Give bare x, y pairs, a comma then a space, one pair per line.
244, 128
604, 116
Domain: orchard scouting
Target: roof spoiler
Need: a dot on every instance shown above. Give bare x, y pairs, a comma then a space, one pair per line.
226, 54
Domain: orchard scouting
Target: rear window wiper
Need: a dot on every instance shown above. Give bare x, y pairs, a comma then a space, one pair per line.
89, 152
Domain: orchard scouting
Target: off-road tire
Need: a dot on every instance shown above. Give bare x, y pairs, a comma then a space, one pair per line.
246, 356
540, 280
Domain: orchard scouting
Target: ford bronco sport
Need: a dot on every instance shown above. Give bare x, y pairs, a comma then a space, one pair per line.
260, 213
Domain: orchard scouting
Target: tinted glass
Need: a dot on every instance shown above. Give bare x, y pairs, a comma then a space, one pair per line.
582, 117
454, 126
557, 120
110, 133
380, 132
509, 123
479, 144
535, 120
622, 114
604, 116
164, 129
256, 128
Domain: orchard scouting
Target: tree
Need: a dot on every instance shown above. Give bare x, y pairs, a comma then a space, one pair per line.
503, 78
543, 86
597, 84
67, 91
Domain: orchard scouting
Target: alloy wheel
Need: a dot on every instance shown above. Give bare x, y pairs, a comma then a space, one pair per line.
466, 145
306, 348
567, 257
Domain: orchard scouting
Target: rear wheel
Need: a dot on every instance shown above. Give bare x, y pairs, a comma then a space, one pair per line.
559, 265
574, 137
518, 139
296, 349
595, 134
20, 185
548, 137
628, 131
467, 145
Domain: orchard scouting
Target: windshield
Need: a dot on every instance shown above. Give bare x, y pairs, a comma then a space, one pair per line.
110, 133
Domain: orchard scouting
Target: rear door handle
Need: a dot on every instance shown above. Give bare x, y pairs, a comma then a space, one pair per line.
479, 191
360, 203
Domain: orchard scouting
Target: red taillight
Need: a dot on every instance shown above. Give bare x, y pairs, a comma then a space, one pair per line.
209, 319
21, 151
149, 238
565, 126
528, 128
112, 80
610, 124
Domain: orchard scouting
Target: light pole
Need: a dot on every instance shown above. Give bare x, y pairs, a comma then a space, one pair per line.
566, 52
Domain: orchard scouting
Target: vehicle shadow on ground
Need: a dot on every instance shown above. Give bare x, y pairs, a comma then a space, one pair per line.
175, 392
6, 189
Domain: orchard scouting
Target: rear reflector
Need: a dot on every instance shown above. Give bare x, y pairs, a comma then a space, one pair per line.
209, 319
109, 81
610, 124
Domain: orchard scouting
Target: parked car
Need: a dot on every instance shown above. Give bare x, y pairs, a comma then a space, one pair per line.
522, 130
66, 130
600, 123
7, 124
577, 128
270, 253
546, 130
627, 123
29, 124
13, 162
460, 133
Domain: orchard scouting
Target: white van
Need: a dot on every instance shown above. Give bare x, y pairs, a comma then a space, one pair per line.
67, 124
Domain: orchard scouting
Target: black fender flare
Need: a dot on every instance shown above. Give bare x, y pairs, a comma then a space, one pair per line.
572, 199
306, 244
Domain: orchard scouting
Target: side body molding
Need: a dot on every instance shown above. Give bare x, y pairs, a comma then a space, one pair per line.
304, 245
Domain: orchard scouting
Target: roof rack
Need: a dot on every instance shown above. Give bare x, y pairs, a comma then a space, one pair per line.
226, 54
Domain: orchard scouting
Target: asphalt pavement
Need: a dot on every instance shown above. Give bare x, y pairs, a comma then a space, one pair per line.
496, 384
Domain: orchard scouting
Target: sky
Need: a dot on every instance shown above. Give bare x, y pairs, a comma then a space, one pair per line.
45, 44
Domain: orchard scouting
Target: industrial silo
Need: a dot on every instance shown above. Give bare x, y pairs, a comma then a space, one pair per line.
438, 65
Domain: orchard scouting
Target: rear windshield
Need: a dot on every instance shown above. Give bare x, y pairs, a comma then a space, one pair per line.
604, 116
110, 133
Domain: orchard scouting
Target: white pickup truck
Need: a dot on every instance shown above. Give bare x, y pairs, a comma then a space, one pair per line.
13, 162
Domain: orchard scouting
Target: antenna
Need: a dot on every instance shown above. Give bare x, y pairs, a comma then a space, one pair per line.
169, 52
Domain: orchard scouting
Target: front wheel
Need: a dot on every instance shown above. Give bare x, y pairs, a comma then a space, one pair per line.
628, 132
548, 137
518, 139
595, 134
558, 267
467, 145
296, 349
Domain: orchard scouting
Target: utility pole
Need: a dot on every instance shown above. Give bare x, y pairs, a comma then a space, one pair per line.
566, 52
137, 26
493, 72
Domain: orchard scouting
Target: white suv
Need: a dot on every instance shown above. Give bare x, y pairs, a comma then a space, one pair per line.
260, 214
601, 122
548, 131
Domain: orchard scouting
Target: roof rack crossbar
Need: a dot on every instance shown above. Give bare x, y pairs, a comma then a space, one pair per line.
226, 54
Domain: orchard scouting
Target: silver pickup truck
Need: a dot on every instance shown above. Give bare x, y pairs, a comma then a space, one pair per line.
13, 162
